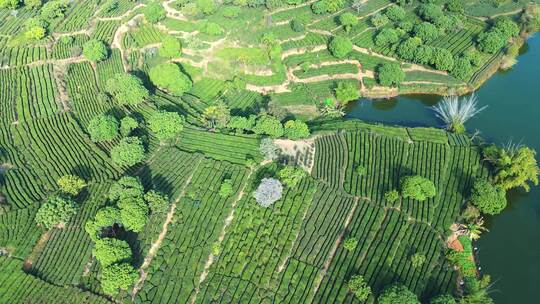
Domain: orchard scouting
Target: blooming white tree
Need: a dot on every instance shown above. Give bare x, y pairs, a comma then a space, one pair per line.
268, 192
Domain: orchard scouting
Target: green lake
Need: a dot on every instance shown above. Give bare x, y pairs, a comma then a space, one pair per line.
510, 251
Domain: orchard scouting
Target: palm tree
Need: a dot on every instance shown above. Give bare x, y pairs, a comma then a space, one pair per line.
474, 229
455, 112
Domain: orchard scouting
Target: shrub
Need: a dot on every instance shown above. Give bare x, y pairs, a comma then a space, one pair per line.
346, 91
268, 192
226, 188
103, 128
128, 152
127, 89
360, 170
166, 125
397, 294
391, 196
350, 243
390, 74
417, 260
169, 77
71, 184
297, 25
55, 211
95, 50
340, 46
358, 286
417, 187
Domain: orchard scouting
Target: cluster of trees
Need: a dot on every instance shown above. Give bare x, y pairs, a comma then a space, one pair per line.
497, 37
262, 124
60, 207
131, 210
169, 76
415, 187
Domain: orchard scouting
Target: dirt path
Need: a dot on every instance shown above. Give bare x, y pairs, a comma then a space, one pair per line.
221, 237
172, 12
156, 244
332, 253
29, 261
117, 40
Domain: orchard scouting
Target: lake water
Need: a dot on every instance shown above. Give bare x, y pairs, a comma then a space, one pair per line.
510, 252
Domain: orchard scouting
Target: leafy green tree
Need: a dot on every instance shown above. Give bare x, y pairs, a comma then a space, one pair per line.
9, 4
397, 294
340, 46
95, 50
158, 202
390, 74
268, 125
126, 187
226, 188
348, 20
346, 91
269, 149
507, 27
350, 243
109, 251
379, 20
154, 12
241, 124
53, 9
492, 41
291, 176
133, 213
35, 33
296, 129
417, 260
217, 115
127, 89
443, 299
55, 211
359, 287
462, 68
407, 48
455, 6
127, 125
514, 167
207, 7
426, 31
417, 187
170, 48
118, 277
395, 13
128, 152
387, 36
105, 217
166, 125
443, 59
423, 54
103, 128
71, 184
168, 76
33, 3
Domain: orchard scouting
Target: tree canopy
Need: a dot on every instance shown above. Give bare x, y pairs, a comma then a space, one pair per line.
168, 76
103, 128
488, 198
157, 202
397, 294
346, 91
269, 125
95, 50
268, 192
514, 167
390, 74
128, 152
291, 176
171, 47
109, 250
348, 20
296, 129
417, 187
359, 287
71, 184
127, 89
56, 210
166, 125
118, 277
340, 46
154, 12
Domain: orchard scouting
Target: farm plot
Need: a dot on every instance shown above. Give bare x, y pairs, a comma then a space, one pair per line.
67, 251
258, 242
105, 30
68, 47
199, 217
77, 16
18, 287
109, 67
235, 149
18, 232
17, 56
343, 68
